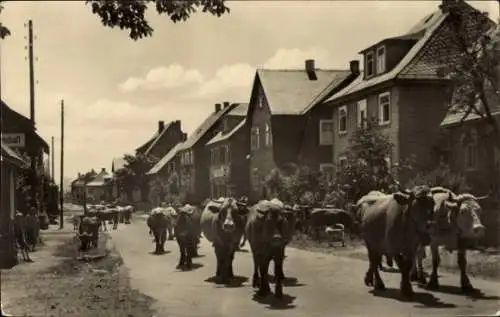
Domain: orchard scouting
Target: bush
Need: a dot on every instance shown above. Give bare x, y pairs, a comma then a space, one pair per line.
440, 176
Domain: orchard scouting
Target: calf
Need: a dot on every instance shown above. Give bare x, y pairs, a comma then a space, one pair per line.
268, 231
394, 225
222, 223
187, 233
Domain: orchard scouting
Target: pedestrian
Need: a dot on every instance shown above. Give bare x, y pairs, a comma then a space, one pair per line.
20, 235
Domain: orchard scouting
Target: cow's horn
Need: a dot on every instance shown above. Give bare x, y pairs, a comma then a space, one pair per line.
482, 197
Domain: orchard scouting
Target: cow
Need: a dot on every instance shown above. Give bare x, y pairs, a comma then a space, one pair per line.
359, 207
158, 223
395, 225
89, 232
456, 223
223, 223
268, 231
108, 213
20, 234
328, 217
127, 213
187, 233
76, 222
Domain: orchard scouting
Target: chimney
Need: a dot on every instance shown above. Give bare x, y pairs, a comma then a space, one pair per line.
354, 67
79, 175
226, 104
103, 170
310, 69
178, 123
217, 107
161, 126
184, 137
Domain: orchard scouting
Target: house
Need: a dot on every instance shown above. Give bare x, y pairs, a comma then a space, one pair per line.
167, 165
11, 163
78, 186
401, 87
228, 156
194, 157
163, 140
286, 123
116, 164
100, 188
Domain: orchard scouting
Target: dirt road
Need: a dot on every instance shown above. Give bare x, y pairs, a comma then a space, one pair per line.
326, 285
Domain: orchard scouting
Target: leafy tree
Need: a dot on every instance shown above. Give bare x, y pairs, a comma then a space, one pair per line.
133, 174
443, 176
130, 15
157, 190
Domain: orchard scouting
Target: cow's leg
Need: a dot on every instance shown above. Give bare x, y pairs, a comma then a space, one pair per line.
190, 249
255, 278
420, 266
433, 280
163, 238
231, 260
406, 263
465, 283
182, 258
369, 272
278, 272
220, 273
375, 262
264, 288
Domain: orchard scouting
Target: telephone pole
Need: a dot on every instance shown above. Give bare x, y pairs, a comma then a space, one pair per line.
31, 72
52, 156
61, 186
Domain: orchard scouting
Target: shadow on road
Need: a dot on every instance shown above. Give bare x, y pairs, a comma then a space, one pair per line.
455, 290
272, 302
425, 299
160, 253
194, 266
288, 281
235, 282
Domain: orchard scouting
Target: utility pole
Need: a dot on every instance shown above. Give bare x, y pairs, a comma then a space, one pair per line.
52, 156
61, 186
32, 72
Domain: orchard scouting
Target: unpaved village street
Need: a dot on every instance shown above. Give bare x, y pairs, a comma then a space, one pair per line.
326, 285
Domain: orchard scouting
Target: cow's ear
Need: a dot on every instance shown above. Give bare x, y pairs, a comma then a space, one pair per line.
402, 198
214, 208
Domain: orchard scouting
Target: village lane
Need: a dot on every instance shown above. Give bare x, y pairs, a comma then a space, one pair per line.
327, 285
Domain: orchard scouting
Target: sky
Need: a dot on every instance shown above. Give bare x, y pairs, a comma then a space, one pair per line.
115, 89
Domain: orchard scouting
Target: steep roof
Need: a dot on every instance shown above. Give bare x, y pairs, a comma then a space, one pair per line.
415, 64
240, 110
100, 179
155, 141
204, 127
290, 91
146, 145
221, 137
164, 160
337, 81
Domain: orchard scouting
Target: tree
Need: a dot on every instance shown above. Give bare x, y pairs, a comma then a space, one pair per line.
442, 176
130, 15
133, 175
4, 32
367, 167
86, 178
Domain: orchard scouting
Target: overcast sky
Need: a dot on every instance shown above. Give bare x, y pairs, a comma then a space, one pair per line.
115, 89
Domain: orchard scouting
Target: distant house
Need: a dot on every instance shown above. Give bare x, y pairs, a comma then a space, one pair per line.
285, 123
228, 156
194, 156
167, 165
78, 186
400, 87
163, 140
11, 163
100, 188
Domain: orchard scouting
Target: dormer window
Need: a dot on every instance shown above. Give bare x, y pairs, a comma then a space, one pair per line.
380, 59
370, 63
260, 100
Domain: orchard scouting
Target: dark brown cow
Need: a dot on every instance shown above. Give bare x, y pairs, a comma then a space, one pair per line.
268, 231
394, 225
187, 233
222, 223
89, 232
158, 223
322, 217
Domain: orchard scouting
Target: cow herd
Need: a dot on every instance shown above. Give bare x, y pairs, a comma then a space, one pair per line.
97, 218
398, 226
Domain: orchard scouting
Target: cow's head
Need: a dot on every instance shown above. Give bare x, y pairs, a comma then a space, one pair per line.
464, 212
420, 211
230, 213
185, 220
275, 216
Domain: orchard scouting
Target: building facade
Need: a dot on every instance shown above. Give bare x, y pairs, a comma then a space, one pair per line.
228, 156
11, 163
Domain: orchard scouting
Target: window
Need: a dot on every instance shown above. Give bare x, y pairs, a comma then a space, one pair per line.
343, 120
260, 99
342, 161
380, 59
369, 64
268, 135
212, 160
328, 171
228, 154
384, 108
325, 132
470, 143
362, 113
222, 151
255, 138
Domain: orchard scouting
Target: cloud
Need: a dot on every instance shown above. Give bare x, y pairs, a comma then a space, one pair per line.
294, 58
172, 76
